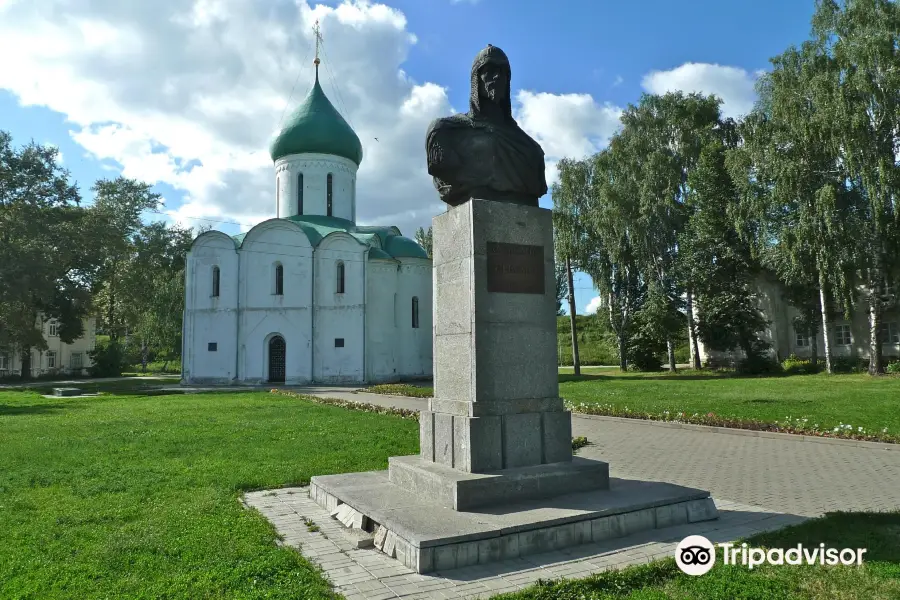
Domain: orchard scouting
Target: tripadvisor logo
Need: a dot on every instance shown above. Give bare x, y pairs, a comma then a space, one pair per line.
696, 555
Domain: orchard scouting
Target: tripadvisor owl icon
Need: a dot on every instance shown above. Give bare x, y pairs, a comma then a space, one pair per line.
695, 555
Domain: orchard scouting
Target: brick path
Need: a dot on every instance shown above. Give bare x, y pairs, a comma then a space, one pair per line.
758, 483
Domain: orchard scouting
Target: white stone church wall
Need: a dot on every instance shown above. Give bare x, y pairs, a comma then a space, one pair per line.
315, 169
414, 358
209, 319
265, 314
382, 339
339, 316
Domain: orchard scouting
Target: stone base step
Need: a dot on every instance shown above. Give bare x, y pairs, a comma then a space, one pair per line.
427, 537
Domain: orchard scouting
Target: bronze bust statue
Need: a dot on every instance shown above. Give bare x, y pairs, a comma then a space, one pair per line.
484, 153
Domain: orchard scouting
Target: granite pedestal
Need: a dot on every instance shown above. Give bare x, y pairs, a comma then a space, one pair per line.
496, 433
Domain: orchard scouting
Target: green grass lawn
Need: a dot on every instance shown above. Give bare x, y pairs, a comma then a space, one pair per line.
877, 579
828, 400
135, 496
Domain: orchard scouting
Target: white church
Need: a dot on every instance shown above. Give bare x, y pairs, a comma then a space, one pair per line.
309, 296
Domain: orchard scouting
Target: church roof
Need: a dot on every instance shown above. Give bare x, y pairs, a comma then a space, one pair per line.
317, 127
392, 243
398, 246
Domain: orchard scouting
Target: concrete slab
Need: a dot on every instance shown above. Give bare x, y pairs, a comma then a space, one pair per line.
371, 574
67, 391
461, 490
426, 536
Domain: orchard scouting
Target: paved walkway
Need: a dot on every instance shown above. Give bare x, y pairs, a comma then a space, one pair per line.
758, 483
781, 473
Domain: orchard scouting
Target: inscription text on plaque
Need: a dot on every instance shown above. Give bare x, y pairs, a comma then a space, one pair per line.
515, 268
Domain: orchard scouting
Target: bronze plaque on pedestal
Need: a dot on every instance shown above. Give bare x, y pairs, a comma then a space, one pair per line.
515, 268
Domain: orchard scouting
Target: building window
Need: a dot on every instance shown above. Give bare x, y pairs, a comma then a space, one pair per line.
4, 362
340, 277
415, 312
802, 340
212, 347
215, 281
279, 279
842, 335
51, 359
890, 333
76, 361
328, 188
338, 342
53, 328
300, 194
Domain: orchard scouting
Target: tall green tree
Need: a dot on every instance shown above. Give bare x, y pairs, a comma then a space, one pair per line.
425, 239
152, 287
861, 39
611, 258
571, 198
118, 208
45, 271
791, 181
562, 287
719, 263
658, 148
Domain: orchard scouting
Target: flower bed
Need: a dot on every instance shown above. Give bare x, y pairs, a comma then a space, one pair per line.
800, 426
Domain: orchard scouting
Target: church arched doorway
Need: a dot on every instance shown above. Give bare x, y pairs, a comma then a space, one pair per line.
277, 352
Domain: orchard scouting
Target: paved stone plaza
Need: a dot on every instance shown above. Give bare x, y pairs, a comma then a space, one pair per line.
759, 482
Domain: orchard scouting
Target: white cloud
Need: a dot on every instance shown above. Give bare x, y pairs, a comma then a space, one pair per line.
191, 93
733, 85
566, 125
618, 81
593, 306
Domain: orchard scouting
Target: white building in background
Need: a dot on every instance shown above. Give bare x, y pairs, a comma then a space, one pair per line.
59, 358
309, 296
850, 338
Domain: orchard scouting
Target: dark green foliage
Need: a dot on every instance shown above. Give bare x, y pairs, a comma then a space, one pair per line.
426, 239
42, 273
654, 324
109, 360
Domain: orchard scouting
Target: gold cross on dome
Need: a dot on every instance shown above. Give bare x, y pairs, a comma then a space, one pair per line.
318, 33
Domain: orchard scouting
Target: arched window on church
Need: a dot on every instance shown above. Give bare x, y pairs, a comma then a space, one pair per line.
329, 184
215, 281
340, 277
300, 194
415, 312
279, 279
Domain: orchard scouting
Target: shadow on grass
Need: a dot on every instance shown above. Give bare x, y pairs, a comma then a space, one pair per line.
12, 410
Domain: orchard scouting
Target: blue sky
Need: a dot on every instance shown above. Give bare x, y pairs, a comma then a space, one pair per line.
125, 91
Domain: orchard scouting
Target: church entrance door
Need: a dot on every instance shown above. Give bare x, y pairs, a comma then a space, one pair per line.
276, 359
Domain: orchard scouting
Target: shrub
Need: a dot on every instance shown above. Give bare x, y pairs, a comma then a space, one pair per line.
795, 365
109, 360
893, 368
849, 364
759, 364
